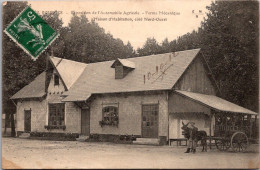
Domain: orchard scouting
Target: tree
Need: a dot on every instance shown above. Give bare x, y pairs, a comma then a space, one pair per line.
151, 46
18, 68
165, 46
82, 41
57, 47
87, 42
12, 55
229, 41
129, 50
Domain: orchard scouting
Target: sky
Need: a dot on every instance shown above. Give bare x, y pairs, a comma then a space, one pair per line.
145, 18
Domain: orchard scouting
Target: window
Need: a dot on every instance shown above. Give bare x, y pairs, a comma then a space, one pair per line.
110, 115
56, 114
56, 80
150, 115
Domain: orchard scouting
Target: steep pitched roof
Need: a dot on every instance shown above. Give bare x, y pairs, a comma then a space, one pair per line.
69, 70
215, 102
35, 89
154, 72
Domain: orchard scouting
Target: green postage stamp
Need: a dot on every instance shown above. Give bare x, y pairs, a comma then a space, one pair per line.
31, 32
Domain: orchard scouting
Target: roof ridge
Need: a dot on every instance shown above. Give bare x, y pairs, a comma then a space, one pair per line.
68, 60
167, 53
128, 58
159, 54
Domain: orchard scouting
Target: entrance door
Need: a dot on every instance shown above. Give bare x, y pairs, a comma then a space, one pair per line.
27, 120
85, 122
150, 121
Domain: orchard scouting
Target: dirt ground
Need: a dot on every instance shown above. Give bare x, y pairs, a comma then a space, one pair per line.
27, 153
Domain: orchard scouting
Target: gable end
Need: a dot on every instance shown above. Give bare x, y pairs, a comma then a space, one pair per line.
197, 78
50, 71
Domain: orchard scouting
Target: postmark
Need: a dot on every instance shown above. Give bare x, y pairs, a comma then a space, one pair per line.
31, 32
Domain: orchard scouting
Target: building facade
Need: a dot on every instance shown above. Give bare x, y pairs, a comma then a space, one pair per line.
143, 97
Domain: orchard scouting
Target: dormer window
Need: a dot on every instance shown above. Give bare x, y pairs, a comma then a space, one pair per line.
122, 68
56, 80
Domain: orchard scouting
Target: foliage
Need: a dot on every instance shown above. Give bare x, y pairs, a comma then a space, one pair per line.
18, 68
151, 46
81, 40
229, 41
11, 58
86, 42
13, 80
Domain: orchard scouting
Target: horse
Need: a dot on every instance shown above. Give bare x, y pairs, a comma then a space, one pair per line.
199, 136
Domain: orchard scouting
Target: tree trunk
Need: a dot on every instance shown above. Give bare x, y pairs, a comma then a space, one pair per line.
6, 121
12, 125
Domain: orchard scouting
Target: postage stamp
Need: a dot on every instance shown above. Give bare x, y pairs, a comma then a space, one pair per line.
31, 32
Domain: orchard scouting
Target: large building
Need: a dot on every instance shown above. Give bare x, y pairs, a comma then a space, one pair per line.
147, 97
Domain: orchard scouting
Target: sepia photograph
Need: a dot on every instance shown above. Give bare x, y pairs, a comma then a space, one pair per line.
128, 84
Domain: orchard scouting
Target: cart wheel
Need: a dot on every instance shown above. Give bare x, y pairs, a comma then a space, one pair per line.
222, 144
239, 142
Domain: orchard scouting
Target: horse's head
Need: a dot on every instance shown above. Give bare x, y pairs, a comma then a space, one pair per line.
185, 129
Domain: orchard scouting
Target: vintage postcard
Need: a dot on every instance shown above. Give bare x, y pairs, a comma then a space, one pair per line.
130, 84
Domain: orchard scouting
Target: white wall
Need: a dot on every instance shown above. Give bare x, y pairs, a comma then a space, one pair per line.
39, 117
183, 109
201, 122
55, 89
39, 112
130, 113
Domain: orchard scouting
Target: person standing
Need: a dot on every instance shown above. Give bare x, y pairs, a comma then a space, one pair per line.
192, 137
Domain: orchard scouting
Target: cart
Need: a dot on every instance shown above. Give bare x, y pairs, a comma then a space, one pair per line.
236, 131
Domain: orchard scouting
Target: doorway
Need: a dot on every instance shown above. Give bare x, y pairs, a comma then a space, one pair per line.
85, 122
27, 120
150, 120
